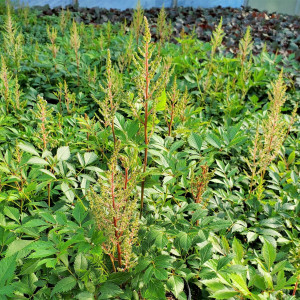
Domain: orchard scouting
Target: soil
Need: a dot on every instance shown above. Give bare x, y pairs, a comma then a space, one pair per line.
280, 32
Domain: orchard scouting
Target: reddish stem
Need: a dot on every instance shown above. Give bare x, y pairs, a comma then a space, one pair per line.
115, 221
296, 286
145, 126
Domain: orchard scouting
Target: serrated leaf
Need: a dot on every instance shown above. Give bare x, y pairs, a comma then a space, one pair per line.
195, 141
17, 246
176, 285
238, 251
85, 296
7, 267
64, 285
28, 148
109, 290
80, 263
224, 294
35, 223
240, 283
224, 261
37, 161
185, 241
79, 212
214, 140
163, 261
12, 213
160, 274
205, 253
269, 254
48, 173
89, 157
63, 153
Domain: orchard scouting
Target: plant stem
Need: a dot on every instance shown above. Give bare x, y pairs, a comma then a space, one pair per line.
296, 286
49, 200
115, 221
145, 125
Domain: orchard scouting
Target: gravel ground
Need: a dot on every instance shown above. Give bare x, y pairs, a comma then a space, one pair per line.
280, 32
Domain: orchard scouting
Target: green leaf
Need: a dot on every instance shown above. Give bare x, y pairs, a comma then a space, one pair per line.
148, 274
12, 213
214, 140
224, 261
269, 254
176, 285
68, 191
162, 101
79, 213
240, 283
89, 157
160, 274
35, 223
163, 261
63, 153
7, 267
37, 161
64, 285
205, 253
195, 141
6, 291
17, 246
155, 290
29, 267
142, 265
238, 251
28, 148
185, 241
109, 290
80, 263
48, 173
132, 127
224, 294
85, 296
291, 157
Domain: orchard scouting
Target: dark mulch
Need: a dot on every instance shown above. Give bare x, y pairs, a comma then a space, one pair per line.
280, 32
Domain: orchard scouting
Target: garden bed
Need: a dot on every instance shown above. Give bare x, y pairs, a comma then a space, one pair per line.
140, 162
279, 32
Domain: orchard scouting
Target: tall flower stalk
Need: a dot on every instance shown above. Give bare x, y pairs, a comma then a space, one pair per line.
115, 212
112, 90
75, 43
148, 92
270, 136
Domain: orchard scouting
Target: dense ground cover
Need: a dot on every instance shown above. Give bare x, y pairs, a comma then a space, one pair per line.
134, 169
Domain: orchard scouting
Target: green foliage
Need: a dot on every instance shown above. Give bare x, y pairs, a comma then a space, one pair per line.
92, 117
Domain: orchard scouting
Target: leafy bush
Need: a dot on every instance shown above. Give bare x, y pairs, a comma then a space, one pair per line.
131, 169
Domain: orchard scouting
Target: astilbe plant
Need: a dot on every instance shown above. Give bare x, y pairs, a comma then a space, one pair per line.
12, 40
163, 28
199, 183
114, 208
137, 22
171, 111
245, 60
182, 105
52, 35
5, 84
125, 58
75, 44
148, 91
112, 99
44, 136
216, 41
270, 135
